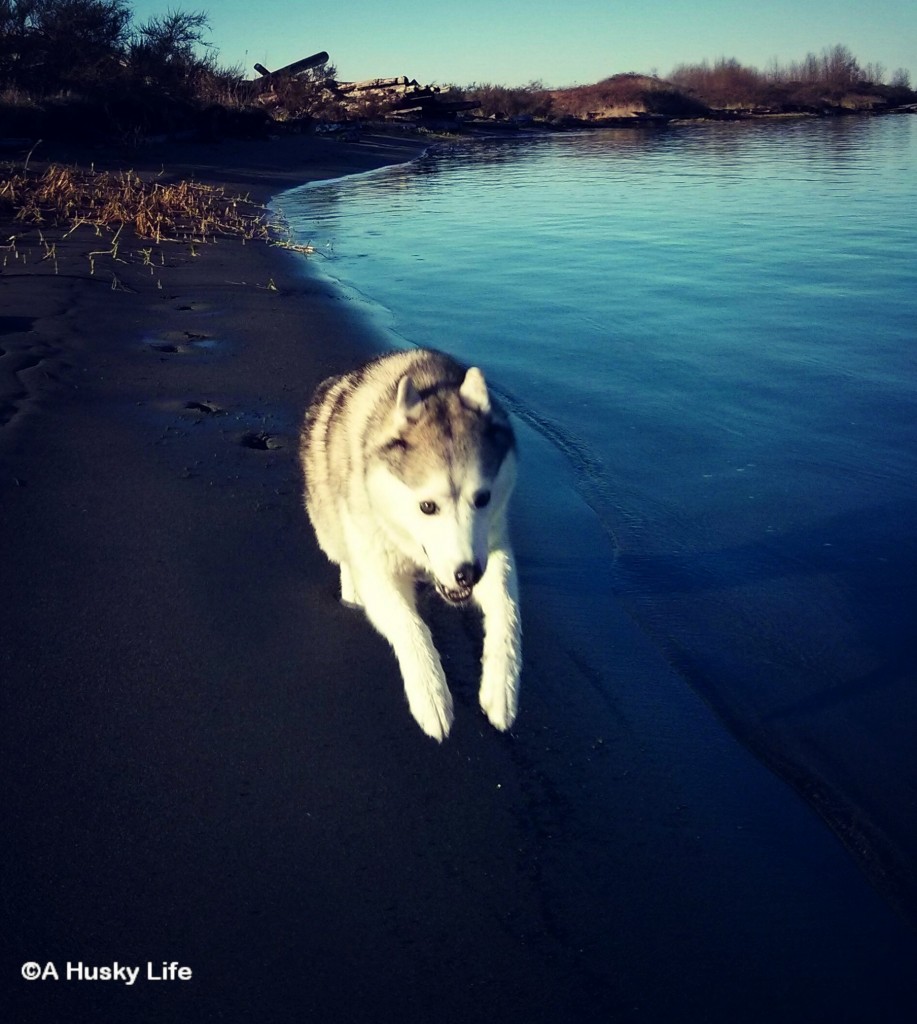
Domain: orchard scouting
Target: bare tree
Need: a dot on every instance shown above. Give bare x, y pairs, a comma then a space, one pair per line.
168, 49
840, 70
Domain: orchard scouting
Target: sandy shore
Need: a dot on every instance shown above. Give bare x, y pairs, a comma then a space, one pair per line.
207, 760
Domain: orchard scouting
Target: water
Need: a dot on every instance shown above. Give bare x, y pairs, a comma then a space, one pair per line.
717, 326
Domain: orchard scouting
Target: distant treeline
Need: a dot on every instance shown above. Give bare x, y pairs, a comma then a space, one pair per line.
832, 81
831, 76
84, 69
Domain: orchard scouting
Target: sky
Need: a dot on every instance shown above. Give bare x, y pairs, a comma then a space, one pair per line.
566, 42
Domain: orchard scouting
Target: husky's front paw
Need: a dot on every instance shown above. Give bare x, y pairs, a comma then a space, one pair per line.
498, 699
432, 709
350, 596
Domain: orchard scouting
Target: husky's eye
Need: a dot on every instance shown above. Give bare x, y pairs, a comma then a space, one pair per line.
482, 499
429, 508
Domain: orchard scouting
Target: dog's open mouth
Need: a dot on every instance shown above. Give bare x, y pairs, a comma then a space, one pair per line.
454, 595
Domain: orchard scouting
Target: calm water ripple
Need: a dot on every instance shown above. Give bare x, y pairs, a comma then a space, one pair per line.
718, 326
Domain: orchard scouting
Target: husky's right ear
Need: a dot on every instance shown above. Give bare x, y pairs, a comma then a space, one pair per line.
408, 403
473, 391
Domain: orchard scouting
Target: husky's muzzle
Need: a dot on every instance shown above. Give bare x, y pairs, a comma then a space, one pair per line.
466, 576
458, 595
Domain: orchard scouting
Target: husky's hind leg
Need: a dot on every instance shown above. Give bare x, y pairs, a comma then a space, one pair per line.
390, 607
497, 596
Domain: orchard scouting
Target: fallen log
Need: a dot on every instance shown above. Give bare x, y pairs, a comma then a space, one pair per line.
382, 83
296, 68
414, 99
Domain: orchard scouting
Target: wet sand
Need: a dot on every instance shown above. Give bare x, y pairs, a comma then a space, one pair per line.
207, 760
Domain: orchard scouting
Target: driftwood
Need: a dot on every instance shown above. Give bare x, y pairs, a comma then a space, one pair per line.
415, 98
394, 95
399, 82
296, 68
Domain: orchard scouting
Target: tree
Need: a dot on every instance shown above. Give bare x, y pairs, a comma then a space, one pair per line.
874, 73
48, 45
165, 49
840, 70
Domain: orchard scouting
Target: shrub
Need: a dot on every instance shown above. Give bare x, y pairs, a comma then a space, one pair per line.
726, 84
49, 45
500, 101
89, 73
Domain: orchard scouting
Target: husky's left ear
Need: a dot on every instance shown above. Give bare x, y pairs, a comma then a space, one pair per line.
408, 403
473, 391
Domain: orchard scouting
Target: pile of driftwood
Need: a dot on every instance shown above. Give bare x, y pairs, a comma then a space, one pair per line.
404, 96
398, 97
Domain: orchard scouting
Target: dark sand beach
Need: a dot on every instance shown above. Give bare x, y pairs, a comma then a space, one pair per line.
207, 760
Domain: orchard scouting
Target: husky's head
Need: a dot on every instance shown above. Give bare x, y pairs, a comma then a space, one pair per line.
441, 477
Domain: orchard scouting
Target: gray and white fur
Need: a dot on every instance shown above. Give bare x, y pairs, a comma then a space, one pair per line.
409, 464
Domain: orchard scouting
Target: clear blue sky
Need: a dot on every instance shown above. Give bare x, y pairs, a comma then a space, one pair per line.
566, 42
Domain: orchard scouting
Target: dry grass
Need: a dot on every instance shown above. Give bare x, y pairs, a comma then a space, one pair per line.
69, 198
124, 211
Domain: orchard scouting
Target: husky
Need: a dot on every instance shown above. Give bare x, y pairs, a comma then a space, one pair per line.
409, 463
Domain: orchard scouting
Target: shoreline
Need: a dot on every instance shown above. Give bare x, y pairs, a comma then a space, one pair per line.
210, 761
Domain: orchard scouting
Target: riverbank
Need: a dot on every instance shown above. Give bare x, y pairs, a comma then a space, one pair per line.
209, 760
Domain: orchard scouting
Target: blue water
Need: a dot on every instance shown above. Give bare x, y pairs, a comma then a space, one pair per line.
717, 326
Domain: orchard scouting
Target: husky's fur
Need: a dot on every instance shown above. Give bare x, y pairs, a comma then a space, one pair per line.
409, 463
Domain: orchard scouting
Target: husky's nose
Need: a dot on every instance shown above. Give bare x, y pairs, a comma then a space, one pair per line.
468, 574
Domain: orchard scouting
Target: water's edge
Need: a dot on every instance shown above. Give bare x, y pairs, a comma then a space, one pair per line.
883, 858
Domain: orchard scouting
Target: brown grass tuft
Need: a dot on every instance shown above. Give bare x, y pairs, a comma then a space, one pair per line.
68, 198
